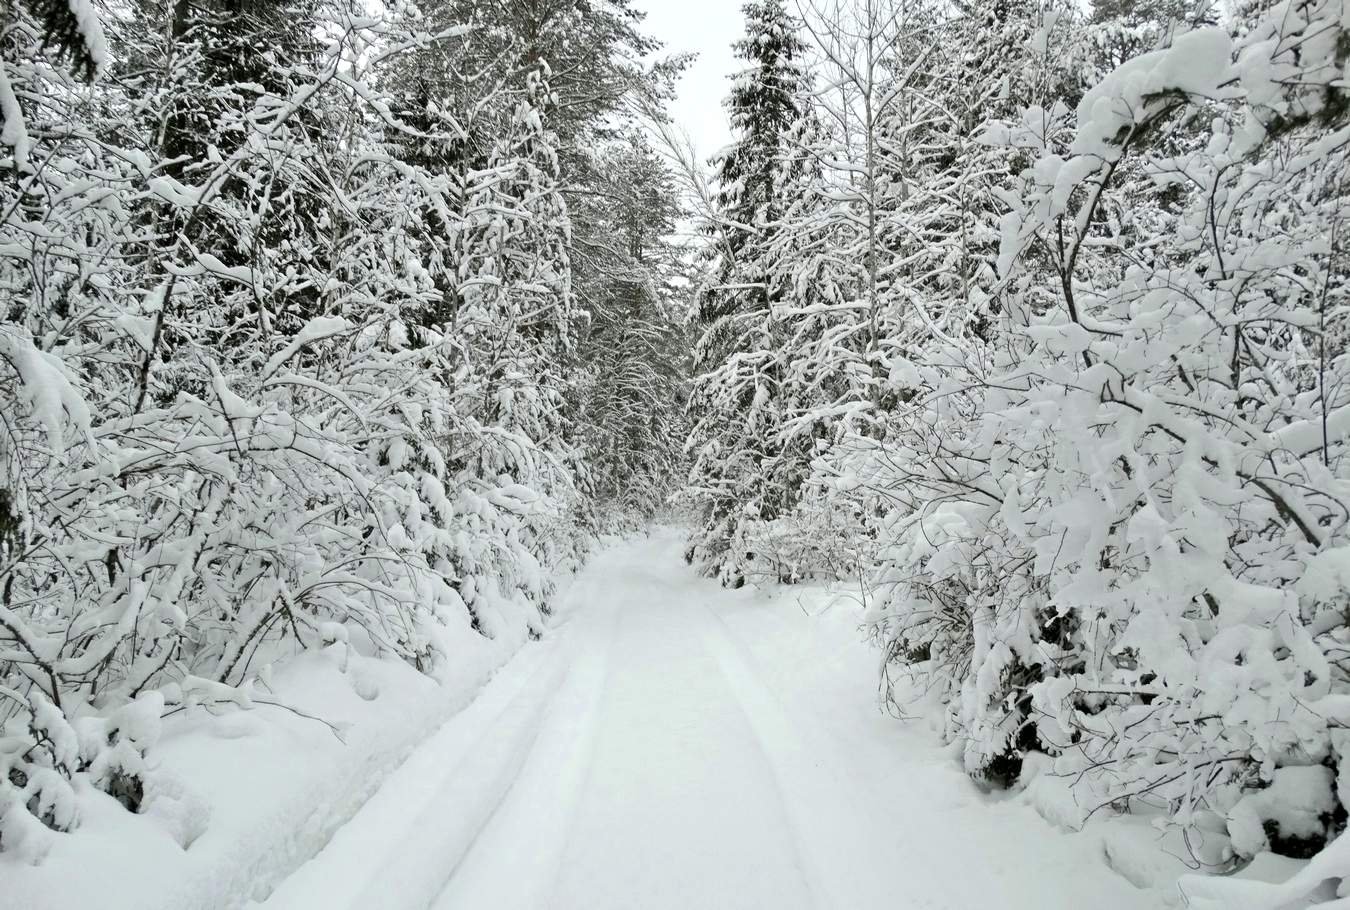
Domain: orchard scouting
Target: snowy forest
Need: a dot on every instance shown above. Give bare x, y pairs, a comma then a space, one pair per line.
351, 331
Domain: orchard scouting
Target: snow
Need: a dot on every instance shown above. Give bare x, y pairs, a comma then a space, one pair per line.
43, 387
1327, 576
174, 192
13, 130
51, 724
316, 329
1271, 885
1296, 802
668, 744
91, 33
1197, 63
673, 744
243, 789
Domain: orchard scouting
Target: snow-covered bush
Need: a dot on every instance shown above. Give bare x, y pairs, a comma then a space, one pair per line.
1120, 514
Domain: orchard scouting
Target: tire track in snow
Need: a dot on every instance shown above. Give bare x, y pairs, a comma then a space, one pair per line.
442, 771
399, 848
708, 624
515, 861
679, 809
831, 818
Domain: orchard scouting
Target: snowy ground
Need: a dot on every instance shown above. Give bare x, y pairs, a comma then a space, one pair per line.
669, 745
675, 745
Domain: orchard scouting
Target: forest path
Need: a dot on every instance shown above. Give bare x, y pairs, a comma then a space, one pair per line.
676, 745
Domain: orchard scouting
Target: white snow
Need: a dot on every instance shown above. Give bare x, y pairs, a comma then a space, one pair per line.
91, 33
316, 329
242, 790
1197, 63
44, 389
13, 130
1296, 801
668, 744
675, 745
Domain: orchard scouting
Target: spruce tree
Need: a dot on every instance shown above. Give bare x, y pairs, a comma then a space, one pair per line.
763, 106
736, 402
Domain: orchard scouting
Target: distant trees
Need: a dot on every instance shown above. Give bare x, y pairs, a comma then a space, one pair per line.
631, 398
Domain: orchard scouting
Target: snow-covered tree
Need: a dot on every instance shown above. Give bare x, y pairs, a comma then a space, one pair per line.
289, 356
633, 352
1116, 549
739, 471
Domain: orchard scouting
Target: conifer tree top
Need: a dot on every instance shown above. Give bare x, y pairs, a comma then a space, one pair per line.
763, 105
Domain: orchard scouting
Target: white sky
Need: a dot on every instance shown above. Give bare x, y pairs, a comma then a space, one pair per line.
706, 27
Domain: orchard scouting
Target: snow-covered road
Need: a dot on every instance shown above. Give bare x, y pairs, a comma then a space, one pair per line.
675, 745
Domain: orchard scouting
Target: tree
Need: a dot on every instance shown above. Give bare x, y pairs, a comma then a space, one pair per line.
288, 359
1124, 506
733, 443
633, 350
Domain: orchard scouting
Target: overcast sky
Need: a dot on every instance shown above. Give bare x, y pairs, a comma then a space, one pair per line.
706, 27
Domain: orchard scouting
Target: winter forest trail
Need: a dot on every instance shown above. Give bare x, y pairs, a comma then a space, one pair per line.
653, 753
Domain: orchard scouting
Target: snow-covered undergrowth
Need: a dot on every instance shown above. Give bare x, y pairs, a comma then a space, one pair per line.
239, 795
808, 641
808, 645
1130, 546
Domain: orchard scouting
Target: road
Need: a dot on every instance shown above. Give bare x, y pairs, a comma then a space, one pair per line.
674, 745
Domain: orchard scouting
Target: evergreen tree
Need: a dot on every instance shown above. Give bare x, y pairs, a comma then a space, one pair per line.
736, 455
764, 104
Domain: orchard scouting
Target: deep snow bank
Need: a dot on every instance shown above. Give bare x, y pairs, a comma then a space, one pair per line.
1002, 849
237, 799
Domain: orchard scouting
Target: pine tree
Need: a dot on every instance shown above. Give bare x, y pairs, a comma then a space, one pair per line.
734, 414
763, 106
